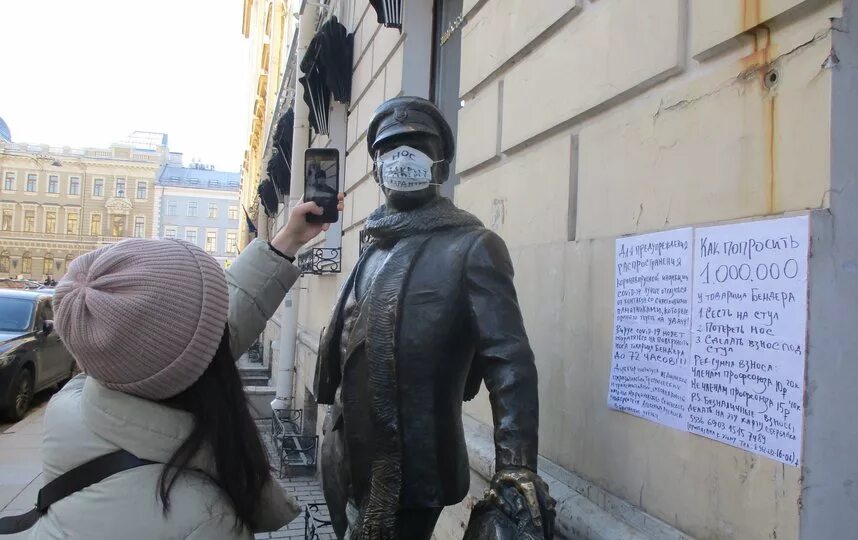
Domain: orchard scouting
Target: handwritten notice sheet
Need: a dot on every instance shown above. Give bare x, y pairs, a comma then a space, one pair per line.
710, 332
652, 323
748, 347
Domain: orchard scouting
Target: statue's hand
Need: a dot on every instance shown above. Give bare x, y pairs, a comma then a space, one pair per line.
523, 496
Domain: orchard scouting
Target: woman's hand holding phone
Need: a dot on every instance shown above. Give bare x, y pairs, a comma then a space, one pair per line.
298, 231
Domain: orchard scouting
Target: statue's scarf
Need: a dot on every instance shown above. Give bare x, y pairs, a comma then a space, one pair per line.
410, 231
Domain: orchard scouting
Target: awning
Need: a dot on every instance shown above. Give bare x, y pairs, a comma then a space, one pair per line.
336, 57
389, 12
268, 196
280, 164
327, 68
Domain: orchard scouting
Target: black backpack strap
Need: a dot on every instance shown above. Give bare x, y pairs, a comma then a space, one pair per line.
70, 482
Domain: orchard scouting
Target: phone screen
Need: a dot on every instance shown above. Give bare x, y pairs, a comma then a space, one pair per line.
321, 183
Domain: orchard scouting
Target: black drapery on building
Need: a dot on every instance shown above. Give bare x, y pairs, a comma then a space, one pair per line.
268, 196
389, 12
327, 67
280, 164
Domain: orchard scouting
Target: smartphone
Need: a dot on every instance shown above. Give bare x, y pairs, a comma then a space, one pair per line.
322, 182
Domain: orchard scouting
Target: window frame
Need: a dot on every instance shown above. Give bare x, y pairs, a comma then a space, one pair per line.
76, 184
141, 222
195, 206
11, 213
35, 184
57, 185
145, 186
13, 177
69, 221
209, 233
29, 214
98, 182
116, 183
100, 224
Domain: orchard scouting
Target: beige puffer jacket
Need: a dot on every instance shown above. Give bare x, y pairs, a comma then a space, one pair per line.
86, 420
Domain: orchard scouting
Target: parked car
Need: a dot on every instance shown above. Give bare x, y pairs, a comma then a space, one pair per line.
21, 284
32, 358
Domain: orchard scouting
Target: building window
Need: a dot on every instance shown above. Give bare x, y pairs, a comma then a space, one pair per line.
26, 263
95, 225
191, 235
120, 188
212, 210
192, 209
139, 226
29, 221
71, 224
171, 232
9, 182
31, 183
74, 185
232, 243
53, 184
5, 263
69, 259
171, 208
142, 187
211, 241
48, 266
233, 212
51, 222
117, 226
8, 215
98, 187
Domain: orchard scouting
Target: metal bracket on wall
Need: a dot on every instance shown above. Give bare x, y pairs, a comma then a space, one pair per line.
318, 261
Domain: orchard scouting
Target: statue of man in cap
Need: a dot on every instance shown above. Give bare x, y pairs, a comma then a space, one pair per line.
428, 313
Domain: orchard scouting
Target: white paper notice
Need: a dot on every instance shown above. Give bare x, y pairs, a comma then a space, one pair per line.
652, 324
749, 333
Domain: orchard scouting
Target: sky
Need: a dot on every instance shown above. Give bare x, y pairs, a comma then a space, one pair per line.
89, 72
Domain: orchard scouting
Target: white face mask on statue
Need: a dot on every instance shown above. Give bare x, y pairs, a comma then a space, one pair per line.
405, 169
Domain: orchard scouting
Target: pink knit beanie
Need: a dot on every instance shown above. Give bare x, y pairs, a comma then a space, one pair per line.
144, 317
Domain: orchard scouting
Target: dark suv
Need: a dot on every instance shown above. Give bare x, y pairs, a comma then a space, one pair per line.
32, 357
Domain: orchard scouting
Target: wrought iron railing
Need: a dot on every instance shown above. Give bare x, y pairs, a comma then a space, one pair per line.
318, 261
312, 522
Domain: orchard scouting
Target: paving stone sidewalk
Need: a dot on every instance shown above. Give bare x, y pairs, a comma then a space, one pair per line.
306, 490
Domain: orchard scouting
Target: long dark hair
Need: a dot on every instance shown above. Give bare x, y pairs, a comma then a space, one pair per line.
222, 423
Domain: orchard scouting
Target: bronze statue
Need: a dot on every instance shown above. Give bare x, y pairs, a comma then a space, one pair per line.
428, 313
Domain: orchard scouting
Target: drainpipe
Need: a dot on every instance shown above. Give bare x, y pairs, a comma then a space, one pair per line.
261, 222
300, 143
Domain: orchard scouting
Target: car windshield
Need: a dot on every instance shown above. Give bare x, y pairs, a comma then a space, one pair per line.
16, 314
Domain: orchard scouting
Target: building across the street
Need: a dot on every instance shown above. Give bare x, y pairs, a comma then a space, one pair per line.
57, 203
200, 204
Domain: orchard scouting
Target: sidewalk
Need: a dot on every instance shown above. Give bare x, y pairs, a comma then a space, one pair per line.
21, 466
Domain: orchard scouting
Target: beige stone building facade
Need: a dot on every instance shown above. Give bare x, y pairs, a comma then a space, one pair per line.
270, 25
583, 121
58, 203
